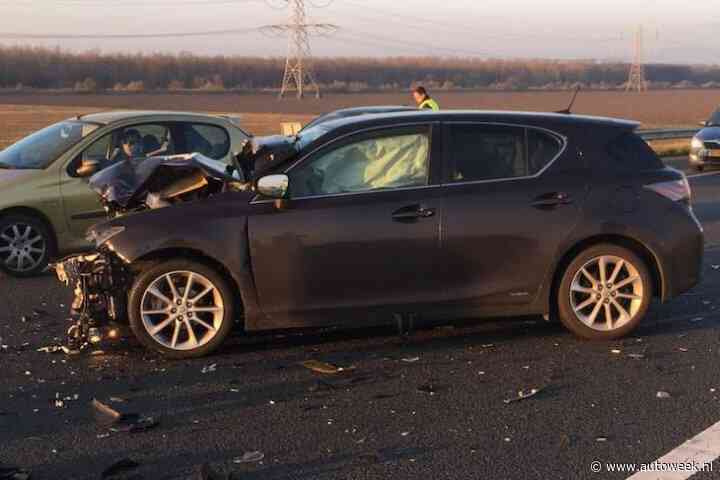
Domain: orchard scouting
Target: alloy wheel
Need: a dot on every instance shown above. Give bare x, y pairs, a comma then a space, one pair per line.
22, 247
182, 310
607, 293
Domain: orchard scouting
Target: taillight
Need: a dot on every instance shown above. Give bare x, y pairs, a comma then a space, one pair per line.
676, 190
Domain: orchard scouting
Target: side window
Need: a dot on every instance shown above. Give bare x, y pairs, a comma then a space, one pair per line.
209, 140
156, 139
629, 152
486, 152
542, 149
391, 161
99, 151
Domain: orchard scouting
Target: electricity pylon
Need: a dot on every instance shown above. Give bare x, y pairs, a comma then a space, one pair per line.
299, 72
636, 80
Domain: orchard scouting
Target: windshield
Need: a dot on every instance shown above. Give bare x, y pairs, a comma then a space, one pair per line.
40, 149
309, 135
714, 119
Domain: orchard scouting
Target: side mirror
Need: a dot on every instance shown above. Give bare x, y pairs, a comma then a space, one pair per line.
273, 186
87, 168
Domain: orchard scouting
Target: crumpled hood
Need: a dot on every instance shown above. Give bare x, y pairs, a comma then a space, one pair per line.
129, 181
261, 154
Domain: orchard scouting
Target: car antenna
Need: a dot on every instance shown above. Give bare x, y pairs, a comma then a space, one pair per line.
568, 110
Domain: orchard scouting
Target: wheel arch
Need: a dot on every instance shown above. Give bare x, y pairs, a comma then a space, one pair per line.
37, 214
156, 256
643, 251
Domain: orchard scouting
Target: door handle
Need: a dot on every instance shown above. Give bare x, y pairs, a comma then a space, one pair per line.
413, 212
551, 200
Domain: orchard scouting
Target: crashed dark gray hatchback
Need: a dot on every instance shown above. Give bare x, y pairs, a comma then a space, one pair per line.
357, 221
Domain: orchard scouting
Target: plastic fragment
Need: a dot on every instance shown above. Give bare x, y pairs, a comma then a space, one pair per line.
663, 395
107, 411
411, 359
324, 368
209, 368
135, 425
697, 319
522, 395
616, 351
120, 466
636, 356
249, 457
601, 439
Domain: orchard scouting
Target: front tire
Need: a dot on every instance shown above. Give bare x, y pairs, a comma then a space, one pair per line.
25, 245
605, 293
181, 309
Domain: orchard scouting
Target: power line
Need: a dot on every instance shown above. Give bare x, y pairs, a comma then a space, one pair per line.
69, 36
298, 65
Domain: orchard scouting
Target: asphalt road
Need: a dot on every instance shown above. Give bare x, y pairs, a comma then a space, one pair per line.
441, 414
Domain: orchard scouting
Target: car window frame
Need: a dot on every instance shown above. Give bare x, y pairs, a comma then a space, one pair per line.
183, 125
449, 163
434, 130
113, 132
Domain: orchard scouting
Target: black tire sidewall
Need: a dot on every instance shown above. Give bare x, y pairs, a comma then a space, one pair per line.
43, 230
145, 278
566, 313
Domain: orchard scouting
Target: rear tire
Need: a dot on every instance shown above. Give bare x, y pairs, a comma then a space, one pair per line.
179, 324
26, 244
609, 305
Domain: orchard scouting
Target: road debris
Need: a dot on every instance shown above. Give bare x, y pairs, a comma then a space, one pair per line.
663, 395
697, 319
682, 349
411, 359
249, 457
716, 267
121, 466
58, 349
209, 368
601, 439
522, 395
122, 422
636, 356
325, 368
616, 351
429, 389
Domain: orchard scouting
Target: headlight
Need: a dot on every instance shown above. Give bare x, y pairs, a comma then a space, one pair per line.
100, 235
697, 144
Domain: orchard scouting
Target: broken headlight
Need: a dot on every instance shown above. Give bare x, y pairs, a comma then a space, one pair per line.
100, 235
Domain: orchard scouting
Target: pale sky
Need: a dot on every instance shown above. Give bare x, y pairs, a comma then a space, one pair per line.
683, 32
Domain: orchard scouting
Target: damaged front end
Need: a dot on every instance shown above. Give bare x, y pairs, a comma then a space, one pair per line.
99, 282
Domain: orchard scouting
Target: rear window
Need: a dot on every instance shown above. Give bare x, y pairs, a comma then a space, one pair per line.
630, 152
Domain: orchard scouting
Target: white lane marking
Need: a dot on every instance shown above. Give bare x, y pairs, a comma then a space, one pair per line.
707, 174
701, 449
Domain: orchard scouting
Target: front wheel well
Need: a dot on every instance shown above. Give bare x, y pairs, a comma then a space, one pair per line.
36, 214
633, 245
153, 258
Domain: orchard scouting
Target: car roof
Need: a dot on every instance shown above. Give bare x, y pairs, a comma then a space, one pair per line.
489, 116
115, 116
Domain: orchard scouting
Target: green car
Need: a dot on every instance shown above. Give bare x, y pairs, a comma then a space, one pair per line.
46, 205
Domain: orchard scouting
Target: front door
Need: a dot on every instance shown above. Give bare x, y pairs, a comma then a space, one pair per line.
82, 206
511, 202
360, 232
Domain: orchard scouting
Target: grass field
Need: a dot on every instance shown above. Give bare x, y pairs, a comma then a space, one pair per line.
22, 113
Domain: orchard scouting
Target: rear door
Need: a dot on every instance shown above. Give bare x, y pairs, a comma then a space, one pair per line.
360, 232
512, 197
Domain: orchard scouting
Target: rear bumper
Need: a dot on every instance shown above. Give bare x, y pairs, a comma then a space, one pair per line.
682, 252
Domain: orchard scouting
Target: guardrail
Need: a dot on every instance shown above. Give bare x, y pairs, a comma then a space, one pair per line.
668, 134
